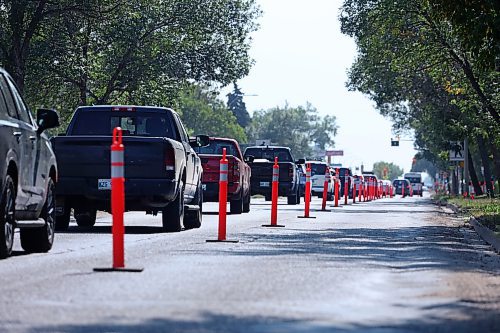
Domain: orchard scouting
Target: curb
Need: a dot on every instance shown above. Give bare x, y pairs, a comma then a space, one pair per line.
486, 234
454, 208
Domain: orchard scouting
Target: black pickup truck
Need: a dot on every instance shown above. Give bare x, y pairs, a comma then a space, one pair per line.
28, 173
261, 161
162, 171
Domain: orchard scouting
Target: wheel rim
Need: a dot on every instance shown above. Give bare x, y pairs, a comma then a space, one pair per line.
9, 219
50, 218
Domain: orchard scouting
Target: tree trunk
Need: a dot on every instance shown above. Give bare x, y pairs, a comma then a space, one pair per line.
496, 161
473, 177
486, 165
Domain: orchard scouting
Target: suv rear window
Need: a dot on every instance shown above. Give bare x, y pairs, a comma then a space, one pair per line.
215, 148
270, 153
150, 124
318, 169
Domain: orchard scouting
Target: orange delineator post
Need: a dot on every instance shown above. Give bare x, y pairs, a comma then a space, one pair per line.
354, 193
223, 174
336, 190
223, 171
274, 196
360, 190
307, 195
118, 204
118, 197
325, 189
403, 191
346, 189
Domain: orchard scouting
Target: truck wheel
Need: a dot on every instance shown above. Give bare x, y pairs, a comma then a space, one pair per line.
246, 203
329, 196
236, 206
41, 239
62, 221
267, 197
193, 218
173, 215
85, 218
7, 221
293, 199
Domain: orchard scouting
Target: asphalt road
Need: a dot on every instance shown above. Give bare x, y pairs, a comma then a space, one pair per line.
399, 265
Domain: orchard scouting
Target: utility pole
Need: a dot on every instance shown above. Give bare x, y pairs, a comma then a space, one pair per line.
466, 165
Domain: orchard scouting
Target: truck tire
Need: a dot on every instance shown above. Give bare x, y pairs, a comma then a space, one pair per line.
85, 218
193, 218
246, 203
62, 221
7, 220
173, 215
294, 199
41, 239
267, 197
329, 196
236, 206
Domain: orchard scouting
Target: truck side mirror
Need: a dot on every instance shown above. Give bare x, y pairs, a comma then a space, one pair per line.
200, 141
249, 158
45, 119
300, 161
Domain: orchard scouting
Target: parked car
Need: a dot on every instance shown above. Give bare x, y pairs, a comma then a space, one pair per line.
262, 171
162, 171
28, 172
318, 171
359, 181
238, 190
386, 187
415, 179
399, 184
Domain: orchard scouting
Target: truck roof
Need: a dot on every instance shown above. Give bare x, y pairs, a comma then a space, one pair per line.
124, 108
268, 147
223, 139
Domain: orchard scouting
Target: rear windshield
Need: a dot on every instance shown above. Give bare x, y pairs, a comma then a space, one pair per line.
270, 153
414, 179
143, 124
215, 148
399, 182
344, 172
318, 169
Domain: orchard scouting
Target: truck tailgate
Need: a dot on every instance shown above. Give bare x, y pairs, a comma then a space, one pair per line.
89, 156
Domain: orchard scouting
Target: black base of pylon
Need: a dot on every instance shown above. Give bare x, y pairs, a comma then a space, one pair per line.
306, 217
118, 269
273, 225
222, 241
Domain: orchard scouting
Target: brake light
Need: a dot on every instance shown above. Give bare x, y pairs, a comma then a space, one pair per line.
123, 108
236, 170
290, 172
169, 159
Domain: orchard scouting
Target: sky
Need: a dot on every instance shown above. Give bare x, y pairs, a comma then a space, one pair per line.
301, 56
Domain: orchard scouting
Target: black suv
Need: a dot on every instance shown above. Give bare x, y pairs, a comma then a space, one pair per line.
28, 173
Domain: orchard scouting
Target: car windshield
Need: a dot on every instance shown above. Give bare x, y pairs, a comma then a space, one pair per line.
269, 154
103, 123
344, 172
215, 148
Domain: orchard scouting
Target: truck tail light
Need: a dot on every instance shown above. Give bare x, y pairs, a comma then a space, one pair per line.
169, 159
290, 171
236, 170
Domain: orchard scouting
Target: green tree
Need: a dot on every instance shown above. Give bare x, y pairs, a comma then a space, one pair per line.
393, 171
203, 113
300, 128
237, 106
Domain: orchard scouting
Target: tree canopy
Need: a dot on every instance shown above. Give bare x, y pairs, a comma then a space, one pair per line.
300, 128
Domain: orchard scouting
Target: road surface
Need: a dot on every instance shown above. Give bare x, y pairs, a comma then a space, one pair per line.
393, 265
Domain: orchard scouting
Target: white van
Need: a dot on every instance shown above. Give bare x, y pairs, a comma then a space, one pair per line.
415, 179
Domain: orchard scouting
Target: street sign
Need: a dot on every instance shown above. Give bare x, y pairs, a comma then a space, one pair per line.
394, 143
334, 153
457, 151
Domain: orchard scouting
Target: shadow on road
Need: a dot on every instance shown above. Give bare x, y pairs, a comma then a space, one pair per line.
481, 321
101, 229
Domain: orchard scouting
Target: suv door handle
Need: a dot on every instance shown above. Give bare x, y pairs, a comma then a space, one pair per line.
17, 134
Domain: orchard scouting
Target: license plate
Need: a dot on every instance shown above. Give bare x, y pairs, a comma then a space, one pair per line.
264, 184
204, 187
104, 184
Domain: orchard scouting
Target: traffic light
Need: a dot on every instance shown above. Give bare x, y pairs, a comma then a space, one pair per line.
394, 143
